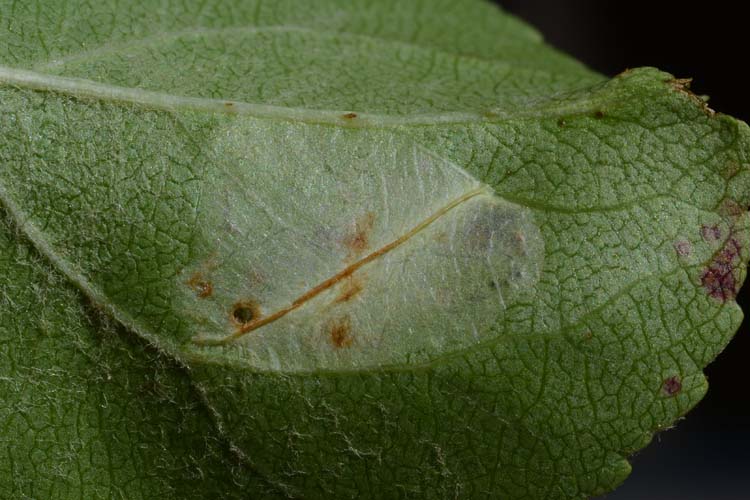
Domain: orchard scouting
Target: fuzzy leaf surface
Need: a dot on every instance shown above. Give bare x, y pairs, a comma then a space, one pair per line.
362, 249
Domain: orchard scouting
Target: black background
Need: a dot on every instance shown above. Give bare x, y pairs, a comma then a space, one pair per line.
707, 455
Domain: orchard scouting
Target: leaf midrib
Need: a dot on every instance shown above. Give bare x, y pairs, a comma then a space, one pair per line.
547, 106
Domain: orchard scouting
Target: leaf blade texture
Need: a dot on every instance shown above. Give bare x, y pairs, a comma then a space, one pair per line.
376, 250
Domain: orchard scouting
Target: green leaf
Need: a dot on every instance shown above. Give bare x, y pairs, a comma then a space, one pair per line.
348, 249
88, 411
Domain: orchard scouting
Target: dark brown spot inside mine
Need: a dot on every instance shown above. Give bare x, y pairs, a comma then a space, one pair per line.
358, 240
244, 313
349, 116
683, 248
710, 233
440, 236
201, 286
719, 278
350, 288
561, 122
340, 332
599, 114
671, 386
520, 242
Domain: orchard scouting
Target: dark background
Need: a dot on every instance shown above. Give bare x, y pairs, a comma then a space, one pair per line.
707, 455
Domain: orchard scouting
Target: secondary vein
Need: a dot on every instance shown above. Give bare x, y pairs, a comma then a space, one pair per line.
346, 272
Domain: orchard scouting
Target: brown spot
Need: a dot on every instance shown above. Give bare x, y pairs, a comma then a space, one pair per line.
229, 106
349, 116
349, 289
720, 279
588, 335
256, 278
682, 85
440, 237
359, 239
671, 386
520, 240
599, 114
201, 286
710, 233
340, 332
490, 115
683, 248
731, 169
245, 313
730, 208
561, 122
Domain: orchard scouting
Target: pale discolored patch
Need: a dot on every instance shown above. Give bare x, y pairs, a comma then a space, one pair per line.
374, 251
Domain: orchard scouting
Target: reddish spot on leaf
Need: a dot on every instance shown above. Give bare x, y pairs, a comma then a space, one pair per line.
359, 238
731, 208
201, 286
731, 169
340, 331
711, 233
520, 240
672, 386
719, 279
683, 248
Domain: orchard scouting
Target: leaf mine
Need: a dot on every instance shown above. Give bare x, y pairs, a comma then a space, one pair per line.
404, 243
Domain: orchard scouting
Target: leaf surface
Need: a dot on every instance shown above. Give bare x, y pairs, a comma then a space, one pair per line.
382, 250
87, 410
